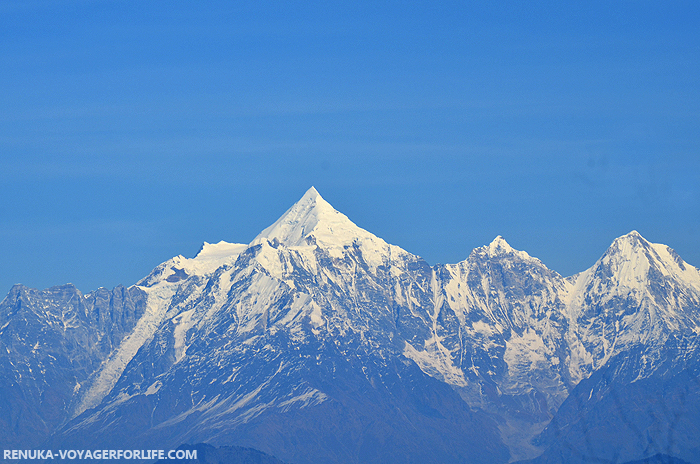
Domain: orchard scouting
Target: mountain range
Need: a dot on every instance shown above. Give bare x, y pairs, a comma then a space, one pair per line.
320, 342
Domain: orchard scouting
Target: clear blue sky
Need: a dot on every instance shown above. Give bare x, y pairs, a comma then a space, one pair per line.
131, 131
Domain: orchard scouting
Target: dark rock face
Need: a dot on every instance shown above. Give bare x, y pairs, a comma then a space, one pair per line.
51, 342
319, 342
617, 415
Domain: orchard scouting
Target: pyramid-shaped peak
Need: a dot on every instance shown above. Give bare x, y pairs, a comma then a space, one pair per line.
311, 193
632, 262
629, 243
311, 215
311, 201
499, 246
633, 248
633, 236
630, 257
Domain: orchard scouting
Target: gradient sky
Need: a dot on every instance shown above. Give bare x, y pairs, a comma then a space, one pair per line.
132, 131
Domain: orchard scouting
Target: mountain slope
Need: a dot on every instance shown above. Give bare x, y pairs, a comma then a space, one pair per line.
638, 314
268, 336
51, 342
320, 342
618, 415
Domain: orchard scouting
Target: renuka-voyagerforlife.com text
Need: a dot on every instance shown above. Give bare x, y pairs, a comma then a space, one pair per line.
100, 454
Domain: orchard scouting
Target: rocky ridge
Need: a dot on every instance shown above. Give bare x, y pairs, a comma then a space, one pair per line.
318, 341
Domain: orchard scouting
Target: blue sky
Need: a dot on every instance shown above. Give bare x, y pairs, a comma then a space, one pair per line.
131, 131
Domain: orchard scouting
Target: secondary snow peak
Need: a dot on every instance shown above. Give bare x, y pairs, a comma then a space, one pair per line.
629, 245
634, 238
219, 250
632, 262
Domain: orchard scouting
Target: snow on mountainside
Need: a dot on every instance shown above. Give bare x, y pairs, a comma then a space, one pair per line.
637, 293
312, 222
506, 308
51, 342
313, 295
637, 312
318, 321
160, 287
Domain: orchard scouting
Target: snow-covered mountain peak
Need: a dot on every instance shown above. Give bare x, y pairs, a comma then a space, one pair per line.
635, 256
631, 256
312, 193
625, 263
312, 217
630, 242
638, 252
221, 250
499, 246
631, 264
209, 258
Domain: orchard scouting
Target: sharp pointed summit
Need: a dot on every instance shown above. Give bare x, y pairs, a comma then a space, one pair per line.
632, 240
632, 258
649, 279
499, 246
311, 216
